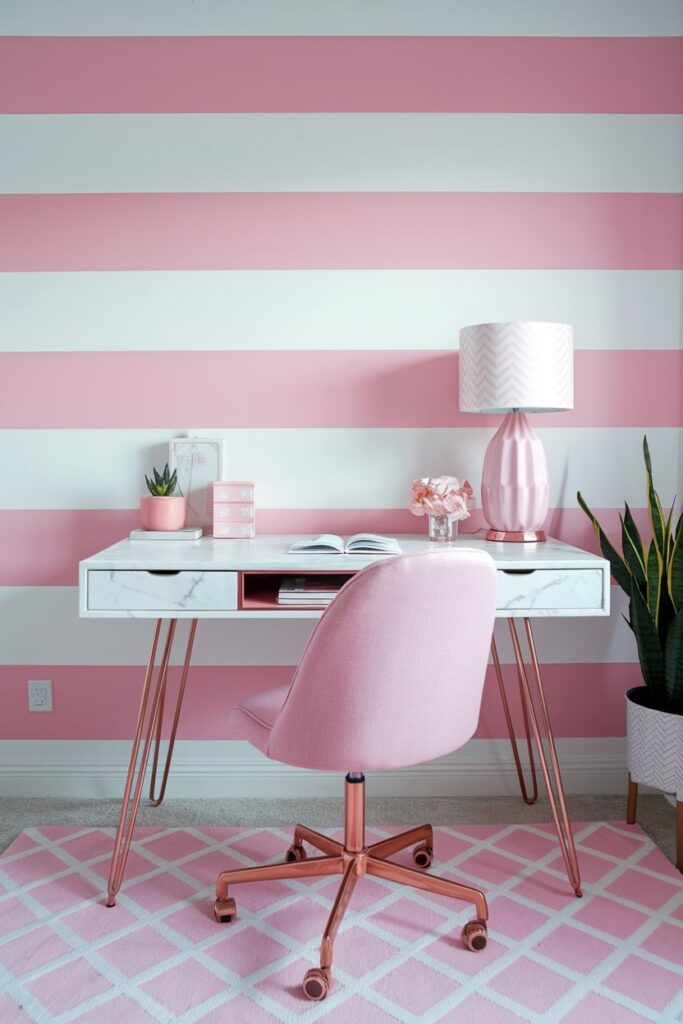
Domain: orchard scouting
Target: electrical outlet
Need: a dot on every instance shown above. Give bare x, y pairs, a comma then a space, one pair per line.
40, 695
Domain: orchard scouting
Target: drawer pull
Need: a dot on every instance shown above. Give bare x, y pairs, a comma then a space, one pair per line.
163, 572
518, 572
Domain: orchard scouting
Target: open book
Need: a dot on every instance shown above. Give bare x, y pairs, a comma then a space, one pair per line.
360, 543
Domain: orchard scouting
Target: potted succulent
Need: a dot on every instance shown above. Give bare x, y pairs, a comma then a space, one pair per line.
161, 509
651, 574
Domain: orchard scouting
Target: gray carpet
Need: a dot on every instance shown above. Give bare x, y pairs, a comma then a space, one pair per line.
655, 814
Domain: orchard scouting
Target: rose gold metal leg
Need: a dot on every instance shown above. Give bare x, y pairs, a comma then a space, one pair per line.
430, 883
318, 840
274, 872
385, 847
632, 801
337, 913
511, 730
171, 742
124, 832
532, 686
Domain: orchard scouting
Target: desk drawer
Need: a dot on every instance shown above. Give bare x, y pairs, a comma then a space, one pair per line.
166, 591
556, 589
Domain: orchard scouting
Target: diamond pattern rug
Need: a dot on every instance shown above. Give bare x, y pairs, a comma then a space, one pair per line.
613, 957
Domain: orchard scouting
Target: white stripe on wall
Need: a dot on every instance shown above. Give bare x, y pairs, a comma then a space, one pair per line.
341, 152
323, 309
300, 468
353, 17
40, 625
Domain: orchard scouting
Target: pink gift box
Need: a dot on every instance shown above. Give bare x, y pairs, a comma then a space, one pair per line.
233, 511
236, 531
233, 490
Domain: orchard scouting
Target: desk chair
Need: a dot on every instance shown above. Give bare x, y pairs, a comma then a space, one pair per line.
391, 676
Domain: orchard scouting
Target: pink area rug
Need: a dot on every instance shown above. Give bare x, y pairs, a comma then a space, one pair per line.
613, 957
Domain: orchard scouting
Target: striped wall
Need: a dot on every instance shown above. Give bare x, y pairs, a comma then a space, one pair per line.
270, 227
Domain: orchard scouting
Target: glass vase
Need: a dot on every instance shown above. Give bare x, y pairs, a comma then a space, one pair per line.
443, 528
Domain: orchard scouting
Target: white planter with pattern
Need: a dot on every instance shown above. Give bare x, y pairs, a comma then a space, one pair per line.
655, 745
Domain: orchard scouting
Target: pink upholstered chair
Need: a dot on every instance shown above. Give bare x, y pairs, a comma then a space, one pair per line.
391, 676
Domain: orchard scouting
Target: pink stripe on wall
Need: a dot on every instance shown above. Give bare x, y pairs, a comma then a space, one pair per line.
327, 388
42, 547
353, 73
586, 699
343, 230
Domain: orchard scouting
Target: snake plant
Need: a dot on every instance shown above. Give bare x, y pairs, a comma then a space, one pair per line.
164, 484
652, 575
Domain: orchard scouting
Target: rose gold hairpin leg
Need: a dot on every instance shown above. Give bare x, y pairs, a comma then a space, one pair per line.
124, 832
156, 800
511, 729
533, 691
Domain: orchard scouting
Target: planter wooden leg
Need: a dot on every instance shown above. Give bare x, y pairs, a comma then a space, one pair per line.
631, 802
679, 835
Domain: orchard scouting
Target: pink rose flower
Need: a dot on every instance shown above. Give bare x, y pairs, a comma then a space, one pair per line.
441, 496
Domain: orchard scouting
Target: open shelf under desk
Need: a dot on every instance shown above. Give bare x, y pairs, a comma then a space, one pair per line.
258, 589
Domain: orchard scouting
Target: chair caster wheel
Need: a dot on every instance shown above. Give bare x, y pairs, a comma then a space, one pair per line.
295, 853
474, 935
317, 983
422, 855
224, 910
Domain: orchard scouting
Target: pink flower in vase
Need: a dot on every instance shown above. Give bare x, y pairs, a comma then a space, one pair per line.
445, 500
441, 496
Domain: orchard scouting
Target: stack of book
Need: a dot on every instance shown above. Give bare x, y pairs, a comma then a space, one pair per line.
309, 590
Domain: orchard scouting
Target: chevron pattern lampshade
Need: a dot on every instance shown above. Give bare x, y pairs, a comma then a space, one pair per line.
518, 367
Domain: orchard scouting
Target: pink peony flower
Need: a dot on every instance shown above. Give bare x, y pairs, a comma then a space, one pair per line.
441, 496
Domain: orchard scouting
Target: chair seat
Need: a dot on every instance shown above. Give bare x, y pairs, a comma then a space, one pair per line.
253, 719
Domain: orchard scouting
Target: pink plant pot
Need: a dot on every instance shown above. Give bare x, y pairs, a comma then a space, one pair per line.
162, 513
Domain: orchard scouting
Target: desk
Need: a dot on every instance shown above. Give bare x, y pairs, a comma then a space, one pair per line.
235, 579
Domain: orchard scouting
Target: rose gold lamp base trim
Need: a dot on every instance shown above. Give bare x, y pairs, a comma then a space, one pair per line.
352, 859
148, 726
509, 537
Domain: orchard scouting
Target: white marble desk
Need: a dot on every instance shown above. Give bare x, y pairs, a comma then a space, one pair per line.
239, 579
201, 579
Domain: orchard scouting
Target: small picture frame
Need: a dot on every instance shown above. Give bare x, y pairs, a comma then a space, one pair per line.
199, 461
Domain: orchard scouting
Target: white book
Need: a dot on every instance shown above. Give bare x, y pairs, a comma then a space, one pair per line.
318, 591
187, 533
360, 543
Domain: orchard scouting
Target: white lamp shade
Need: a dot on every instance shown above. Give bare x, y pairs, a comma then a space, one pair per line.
525, 365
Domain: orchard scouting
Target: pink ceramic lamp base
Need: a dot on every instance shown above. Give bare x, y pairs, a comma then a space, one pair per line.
514, 486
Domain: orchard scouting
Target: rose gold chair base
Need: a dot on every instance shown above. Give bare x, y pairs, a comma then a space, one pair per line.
537, 725
149, 727
352, 859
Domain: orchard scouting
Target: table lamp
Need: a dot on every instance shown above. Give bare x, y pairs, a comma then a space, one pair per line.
516, 368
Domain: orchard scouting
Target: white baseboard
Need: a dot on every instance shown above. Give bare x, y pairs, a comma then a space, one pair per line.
214, 768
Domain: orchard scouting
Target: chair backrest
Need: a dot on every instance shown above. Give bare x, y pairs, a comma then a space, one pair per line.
393, 673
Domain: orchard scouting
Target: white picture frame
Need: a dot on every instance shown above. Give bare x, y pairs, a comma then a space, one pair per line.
199, 462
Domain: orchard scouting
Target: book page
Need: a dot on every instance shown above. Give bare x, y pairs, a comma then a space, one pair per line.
373, 542
325, 542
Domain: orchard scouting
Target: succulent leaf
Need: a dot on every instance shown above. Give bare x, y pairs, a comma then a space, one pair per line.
654, 505
633, 549
650, 651
676, 569
164, 483
673, 665
618, 566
